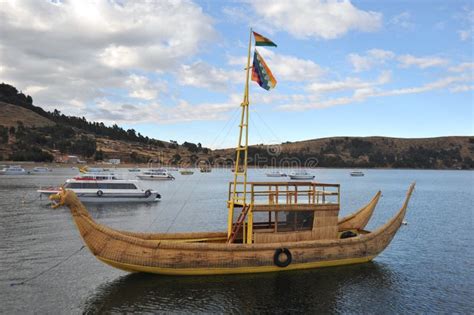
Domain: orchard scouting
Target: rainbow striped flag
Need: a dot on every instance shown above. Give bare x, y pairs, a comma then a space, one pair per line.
262, 40
261, 73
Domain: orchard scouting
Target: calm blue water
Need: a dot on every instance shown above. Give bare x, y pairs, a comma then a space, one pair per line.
428, 268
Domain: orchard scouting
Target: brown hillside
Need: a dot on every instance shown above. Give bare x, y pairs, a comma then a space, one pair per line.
11, 114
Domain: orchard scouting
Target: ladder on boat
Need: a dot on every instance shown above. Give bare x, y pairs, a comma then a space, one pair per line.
238, 224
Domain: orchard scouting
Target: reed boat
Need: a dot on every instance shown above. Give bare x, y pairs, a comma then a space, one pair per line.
271, 226
285, 243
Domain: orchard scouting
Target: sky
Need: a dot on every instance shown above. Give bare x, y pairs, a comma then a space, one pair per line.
175, 70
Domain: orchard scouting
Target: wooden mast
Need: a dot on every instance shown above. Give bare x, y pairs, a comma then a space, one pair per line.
240, 166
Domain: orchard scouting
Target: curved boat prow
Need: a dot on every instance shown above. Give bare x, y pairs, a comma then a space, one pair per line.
379, 239
359, 219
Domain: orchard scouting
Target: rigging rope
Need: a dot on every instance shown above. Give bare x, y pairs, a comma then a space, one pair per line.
48, 269
228, 126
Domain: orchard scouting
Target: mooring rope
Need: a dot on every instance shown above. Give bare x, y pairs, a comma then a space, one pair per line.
48, 269
228, 126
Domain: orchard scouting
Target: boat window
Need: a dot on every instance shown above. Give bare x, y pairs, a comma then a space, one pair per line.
116, 186
73, 185
89, 185
295, 221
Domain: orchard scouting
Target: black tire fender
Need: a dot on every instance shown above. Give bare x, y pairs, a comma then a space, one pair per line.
347, 234
148, 193
278, 253
100, 193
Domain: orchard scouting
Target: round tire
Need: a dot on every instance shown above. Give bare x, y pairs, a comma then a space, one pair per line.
347, 234
278, 253
148, 193
100, 193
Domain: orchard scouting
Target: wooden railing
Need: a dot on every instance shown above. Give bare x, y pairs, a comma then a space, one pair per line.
287, 196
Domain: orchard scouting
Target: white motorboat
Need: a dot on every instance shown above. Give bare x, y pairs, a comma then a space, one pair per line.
156, 174
42, 169
357, 173
106, 191
301, 175
13, 170
87, 169
276, 174
97, 176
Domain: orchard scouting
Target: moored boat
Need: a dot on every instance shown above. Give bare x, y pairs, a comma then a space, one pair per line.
87, 169
276, 174
301, 175
13, 170
186, 172
205, 169
357, 173
156, 174
106, 191
97, 176
41, 169
271, 226
134, 170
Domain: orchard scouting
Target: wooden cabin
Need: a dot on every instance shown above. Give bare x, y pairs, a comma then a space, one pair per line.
273, 212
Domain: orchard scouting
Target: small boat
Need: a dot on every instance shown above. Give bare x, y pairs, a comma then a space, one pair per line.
205, 169
156, 174
105, 191
41, 169
173, 169
276, 174
186, 172
134, 170
13, 170
357, 173
87, 169
97, 176
301, 175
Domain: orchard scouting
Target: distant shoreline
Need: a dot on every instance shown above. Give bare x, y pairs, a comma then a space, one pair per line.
155, 165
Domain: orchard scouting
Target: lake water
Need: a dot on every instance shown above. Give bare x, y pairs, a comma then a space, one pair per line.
428, 267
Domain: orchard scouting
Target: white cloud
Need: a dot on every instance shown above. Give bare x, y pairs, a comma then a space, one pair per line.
284, 67
349, 84
291, 68
463, 67
421, 62
111, 113
79, 49
140, 87
372, 58
465, 34
316, 18
363, 92
462, 88
403, 20
203, 75
467, 18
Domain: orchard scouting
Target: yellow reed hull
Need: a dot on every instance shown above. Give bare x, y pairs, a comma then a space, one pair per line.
236, 270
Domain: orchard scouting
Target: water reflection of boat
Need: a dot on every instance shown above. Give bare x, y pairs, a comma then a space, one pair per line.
272, 226
260, 293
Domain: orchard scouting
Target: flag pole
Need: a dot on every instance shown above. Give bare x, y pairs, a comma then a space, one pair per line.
239, 188
246, 93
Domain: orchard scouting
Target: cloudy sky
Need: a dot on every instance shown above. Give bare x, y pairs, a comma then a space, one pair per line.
175, 70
